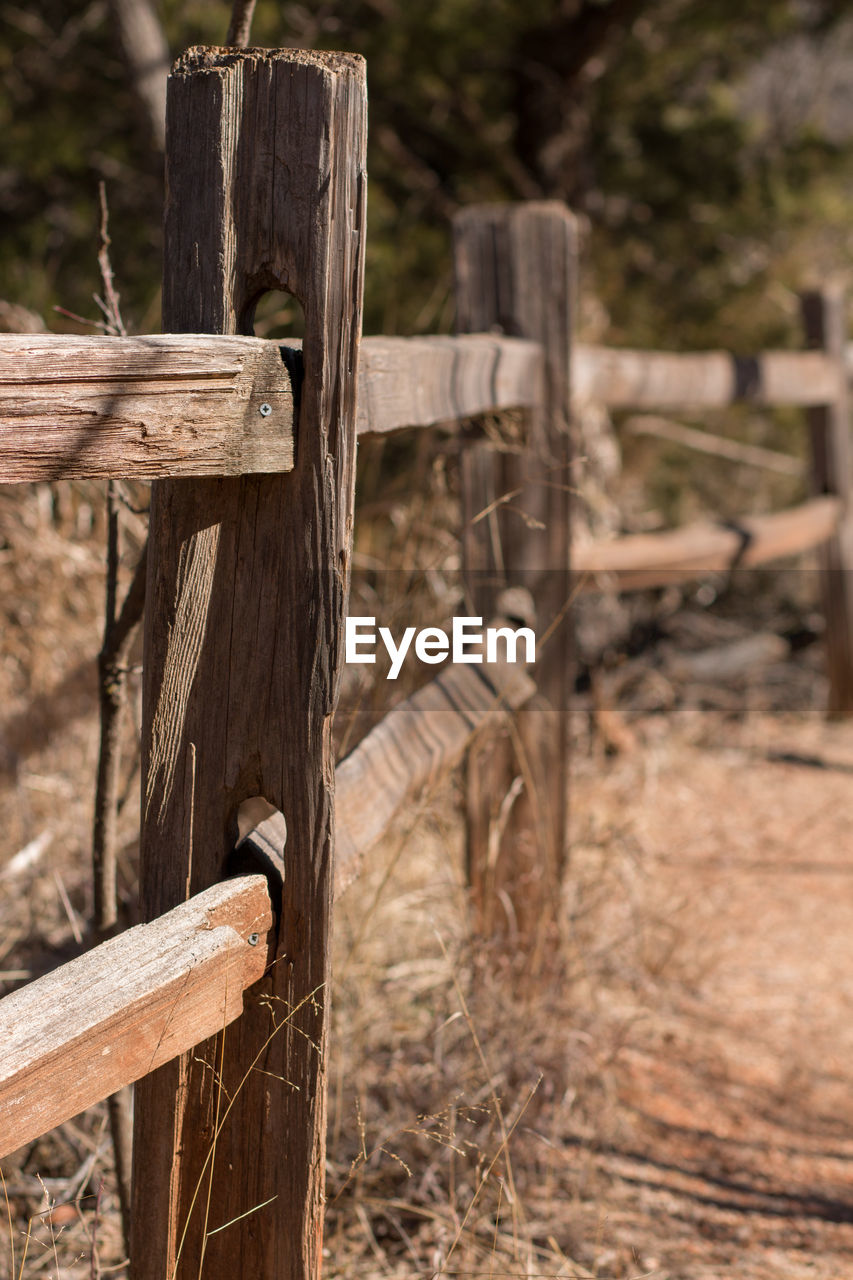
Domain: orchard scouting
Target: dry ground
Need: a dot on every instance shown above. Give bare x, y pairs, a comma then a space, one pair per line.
733, 1110
677, 1103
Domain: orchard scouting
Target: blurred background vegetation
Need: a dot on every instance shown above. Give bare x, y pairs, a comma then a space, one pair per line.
707, 144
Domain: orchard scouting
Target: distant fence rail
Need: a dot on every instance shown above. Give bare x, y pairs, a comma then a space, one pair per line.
645, 560
622, 378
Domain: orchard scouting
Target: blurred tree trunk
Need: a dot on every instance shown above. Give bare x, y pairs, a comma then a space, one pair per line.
555, 65
147, 55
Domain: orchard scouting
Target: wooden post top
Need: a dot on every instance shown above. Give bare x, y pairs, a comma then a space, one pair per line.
243, 209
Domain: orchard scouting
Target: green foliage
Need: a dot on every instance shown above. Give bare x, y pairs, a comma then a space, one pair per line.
701, 218
693, 214
68, 118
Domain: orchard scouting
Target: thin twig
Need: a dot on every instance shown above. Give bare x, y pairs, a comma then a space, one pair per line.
72, 315
112, 676
753, 455
241, 24
94, 1260
119, 629
110, 303
112, 672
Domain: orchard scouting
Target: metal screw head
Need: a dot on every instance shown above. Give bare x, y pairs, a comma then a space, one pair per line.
266, 410
253, 939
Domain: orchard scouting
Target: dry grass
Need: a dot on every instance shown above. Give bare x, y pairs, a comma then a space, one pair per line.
476, 1124
433, 1088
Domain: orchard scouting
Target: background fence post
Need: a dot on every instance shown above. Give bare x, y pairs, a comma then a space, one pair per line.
825, 322
515, 272
246, 593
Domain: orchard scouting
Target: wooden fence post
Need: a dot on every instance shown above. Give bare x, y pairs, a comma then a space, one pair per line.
247, 585
515, 273
825, 322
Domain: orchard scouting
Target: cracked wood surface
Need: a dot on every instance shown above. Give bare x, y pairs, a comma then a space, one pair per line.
112, 1015
412, 382
166, 405
247, 589
182, 405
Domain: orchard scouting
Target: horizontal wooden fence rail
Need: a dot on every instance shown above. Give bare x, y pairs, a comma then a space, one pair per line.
116, 1013
167, 405
624, 379
197, 405
412, 382
658, 559
415, 743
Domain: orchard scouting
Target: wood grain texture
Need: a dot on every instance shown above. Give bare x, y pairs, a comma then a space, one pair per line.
658, 559
415, 743
181, 405
111, 1016
410, 382
626, 379
515, 271
825, 323
247, 589
167, 405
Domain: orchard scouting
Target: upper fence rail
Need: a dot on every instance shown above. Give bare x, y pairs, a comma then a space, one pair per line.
185, 405
196, 405
626, 379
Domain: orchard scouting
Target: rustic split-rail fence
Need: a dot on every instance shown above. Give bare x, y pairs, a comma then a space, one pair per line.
251, 446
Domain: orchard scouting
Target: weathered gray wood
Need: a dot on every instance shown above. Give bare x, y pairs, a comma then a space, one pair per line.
515, 272
191, 405
171, 405
626, 379
409, 382
415, 743
825, 321
248, 582
111, 1016
658, 559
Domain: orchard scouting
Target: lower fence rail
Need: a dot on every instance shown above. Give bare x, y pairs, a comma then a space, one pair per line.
113, 1015
659, 559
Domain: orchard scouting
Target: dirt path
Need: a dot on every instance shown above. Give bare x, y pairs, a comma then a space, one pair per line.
732, 1147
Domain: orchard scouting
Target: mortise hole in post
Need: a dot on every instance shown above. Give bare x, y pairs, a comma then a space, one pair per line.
259, 847
273, 313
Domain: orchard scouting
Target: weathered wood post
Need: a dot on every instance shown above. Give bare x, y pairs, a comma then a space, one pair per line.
247, 587
825, 322
515, 272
